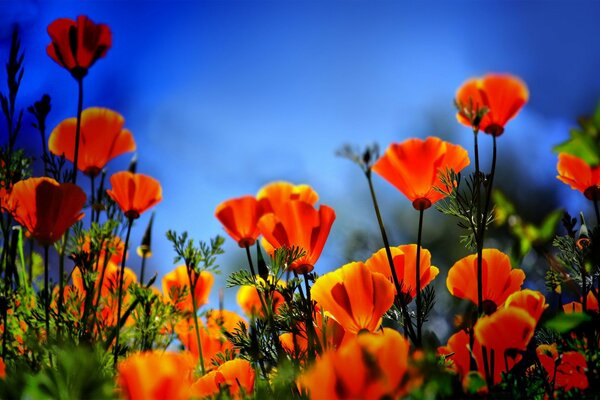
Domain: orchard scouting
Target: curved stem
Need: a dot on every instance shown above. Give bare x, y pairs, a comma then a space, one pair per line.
120, 292
78, 128
407, 322
250, 261
196, 326
418, 278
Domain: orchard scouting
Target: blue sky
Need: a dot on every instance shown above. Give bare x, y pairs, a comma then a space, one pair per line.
223, 97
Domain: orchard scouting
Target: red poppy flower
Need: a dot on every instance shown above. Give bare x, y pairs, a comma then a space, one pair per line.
240, 219
77, 45
577, 306
176, 287
356, 297
576, 173
134, 193
501, 94
45, 207
272, 196
102, 138
299, 224
570, 373
414, 167
405, 259
499, 279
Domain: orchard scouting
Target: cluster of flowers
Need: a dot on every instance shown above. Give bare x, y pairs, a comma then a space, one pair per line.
355, 332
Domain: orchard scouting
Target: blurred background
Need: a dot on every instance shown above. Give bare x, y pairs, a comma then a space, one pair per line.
225, 96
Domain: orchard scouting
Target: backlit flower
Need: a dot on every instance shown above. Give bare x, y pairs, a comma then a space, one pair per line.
249, 300
214, 343
155, 375
576, 173
415, 165
356, 297
529, 300
236, 376
577, 306
405, 260
77, 45
134, 193
176, 288
45, 207
369, 366
570, 373
498, 278
273, 195
240, 219
299, 224
502, 95
102, 138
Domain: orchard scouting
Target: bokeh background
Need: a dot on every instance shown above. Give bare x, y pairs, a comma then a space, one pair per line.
225, 96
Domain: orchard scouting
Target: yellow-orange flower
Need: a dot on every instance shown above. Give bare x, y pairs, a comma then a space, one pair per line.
102, 138
298, 224
176, 288
248, 298
498, 278
134, 193
236, 375
273, 195
414, 167
45, 207
576, 173
156, 375
213, 341
240, 219
502, 95
356, 297
369, 366
405, 260
77, 45
529, 300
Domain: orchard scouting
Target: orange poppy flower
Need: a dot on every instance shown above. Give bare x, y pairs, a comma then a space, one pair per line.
414, 167
299, 224
328, 332
502, 95
2, 369
224, 320
577, 306
240, 218
102, 138
249, 300
176, 288
507, 329
529, 300
570, 373
238, 376
576, 173
356, 297
405, 260
134, 193
155, 375
273, 195
378, 367
499, 279
213, 342
77, 45
45, 207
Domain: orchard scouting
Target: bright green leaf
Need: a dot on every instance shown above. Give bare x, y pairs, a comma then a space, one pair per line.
564, 323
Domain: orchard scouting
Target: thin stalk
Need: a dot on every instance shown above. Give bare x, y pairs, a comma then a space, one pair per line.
78, 128
93, 199
196, 326
310, 328
143, 269
597, 211
250, 260
407, 322
418, 271
46, 291
120, 292
61, 278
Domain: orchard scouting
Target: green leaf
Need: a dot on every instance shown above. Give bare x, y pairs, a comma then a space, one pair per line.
582, 145
548, 226
564, 323
503, 209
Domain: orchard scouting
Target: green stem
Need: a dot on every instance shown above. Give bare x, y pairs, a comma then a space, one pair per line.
249, 256
47, 291
78, 128
93, 199
196, 326
120, 292
143, 269
418, 279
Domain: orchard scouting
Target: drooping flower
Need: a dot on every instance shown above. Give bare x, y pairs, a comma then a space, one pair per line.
134, 193
77, 45
405, 259
356, 297
369, 366
499, 279
565, 371
415, 165
155, 375
102, 138
176, 288
576, 173
239, 217
299, 224
45, 207
529, 300
273, 195
502, 95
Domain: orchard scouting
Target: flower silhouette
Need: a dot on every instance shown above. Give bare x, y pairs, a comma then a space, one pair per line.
45, 207
77, 45
414, 167
102, 139
488, 103
134, 193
